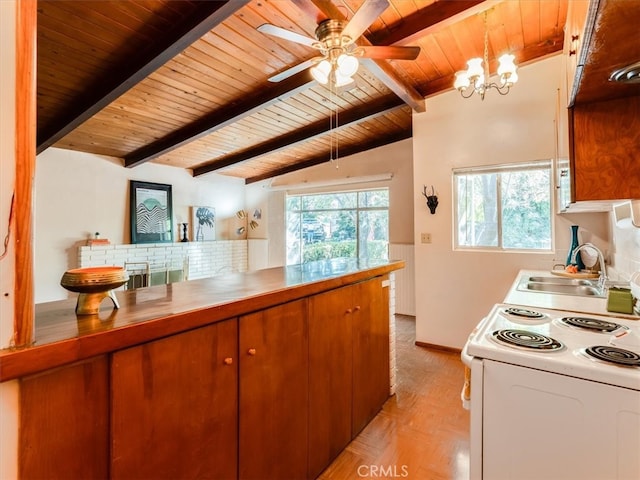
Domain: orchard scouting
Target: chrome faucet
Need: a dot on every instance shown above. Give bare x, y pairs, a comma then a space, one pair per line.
602, 280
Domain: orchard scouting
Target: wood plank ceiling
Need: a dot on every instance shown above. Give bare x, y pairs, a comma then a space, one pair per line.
185, 83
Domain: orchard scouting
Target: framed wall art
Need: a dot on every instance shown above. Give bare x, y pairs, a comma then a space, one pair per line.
203, 221
151, 212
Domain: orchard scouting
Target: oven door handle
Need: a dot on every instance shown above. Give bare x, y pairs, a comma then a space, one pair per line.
464, 355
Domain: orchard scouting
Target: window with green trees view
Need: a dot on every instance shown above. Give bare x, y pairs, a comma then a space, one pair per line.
340, 224
504, 207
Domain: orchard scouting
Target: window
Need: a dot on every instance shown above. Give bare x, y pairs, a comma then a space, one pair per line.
340, 224
503, 208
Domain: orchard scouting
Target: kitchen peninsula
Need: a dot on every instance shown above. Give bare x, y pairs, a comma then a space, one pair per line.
264, 374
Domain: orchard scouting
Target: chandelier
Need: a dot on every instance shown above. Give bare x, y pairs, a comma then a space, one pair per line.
477, 74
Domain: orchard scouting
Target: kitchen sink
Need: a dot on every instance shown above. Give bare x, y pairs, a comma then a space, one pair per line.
561, 286
561, 281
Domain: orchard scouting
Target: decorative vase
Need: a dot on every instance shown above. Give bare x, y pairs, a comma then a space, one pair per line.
575, 244
184, 232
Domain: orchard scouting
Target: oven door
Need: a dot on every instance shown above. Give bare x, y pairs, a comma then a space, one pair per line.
472, 398
540, 425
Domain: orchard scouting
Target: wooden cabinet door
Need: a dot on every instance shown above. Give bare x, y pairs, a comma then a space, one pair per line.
574, 43
606, 158
274, 393
64, 422
370, 351
330, 376
175, 406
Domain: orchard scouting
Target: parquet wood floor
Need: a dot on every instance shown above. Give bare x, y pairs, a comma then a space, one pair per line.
422, 432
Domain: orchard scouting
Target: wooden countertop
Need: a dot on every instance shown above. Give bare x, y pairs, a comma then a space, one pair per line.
149, 313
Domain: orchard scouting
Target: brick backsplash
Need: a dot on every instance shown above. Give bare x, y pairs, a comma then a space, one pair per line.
197, 259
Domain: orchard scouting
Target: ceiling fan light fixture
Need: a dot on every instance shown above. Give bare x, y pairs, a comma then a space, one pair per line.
321, 71
347, 65
342, 80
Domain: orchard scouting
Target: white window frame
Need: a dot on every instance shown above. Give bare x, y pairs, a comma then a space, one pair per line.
357, 209
510, 167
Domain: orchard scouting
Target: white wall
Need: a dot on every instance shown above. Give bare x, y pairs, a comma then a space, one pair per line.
395, 158
454, 289
8, 390
78, 194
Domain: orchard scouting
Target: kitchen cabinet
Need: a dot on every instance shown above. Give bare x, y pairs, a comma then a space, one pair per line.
604, 141
348, 365
175, 406
603, 121
272, 386
273, 365
370, 351
64, 427
330, 375
574, 45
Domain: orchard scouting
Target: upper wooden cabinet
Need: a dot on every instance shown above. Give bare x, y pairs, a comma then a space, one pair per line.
604, 36
606, 150
574, 35
601, 37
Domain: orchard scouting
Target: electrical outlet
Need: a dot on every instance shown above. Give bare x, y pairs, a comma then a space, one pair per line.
425, 237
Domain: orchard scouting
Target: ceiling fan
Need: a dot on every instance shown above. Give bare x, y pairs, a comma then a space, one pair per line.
336, 41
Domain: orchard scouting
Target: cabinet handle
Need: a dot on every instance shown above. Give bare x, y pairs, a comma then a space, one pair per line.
349, 310
251, 351
357, 308
228, 361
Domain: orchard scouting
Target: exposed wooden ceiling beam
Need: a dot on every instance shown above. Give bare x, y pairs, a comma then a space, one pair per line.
380, 68
221, 118
305, 134
431, 18
205, 17
344, 152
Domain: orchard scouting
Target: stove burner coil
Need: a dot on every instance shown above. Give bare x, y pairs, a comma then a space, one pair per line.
615, 355
591, 324
528, 340
522, 312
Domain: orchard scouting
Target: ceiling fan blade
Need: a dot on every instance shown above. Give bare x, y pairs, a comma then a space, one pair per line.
270, 29
364, 17
382, 52
289, 72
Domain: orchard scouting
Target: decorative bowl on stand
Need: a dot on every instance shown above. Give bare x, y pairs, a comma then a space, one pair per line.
94, 284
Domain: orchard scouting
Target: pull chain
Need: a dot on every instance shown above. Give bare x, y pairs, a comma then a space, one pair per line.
333, 126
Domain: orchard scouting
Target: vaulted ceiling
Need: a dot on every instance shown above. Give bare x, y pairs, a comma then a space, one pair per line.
186, 83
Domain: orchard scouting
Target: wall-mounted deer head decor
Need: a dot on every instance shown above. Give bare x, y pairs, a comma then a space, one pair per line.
432, 200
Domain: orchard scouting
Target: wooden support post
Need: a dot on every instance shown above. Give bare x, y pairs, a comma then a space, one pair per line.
26, 31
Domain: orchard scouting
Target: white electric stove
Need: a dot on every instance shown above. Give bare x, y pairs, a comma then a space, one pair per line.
554, 395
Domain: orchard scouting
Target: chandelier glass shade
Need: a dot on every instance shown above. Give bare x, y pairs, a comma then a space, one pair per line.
475, 79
